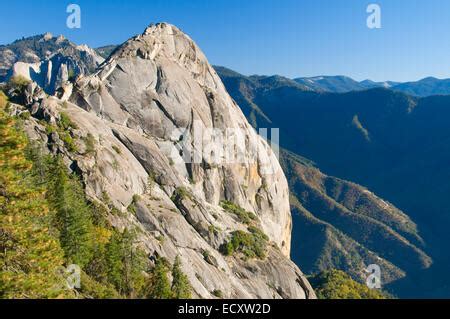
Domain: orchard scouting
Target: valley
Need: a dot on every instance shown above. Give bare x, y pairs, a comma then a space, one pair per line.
397, 149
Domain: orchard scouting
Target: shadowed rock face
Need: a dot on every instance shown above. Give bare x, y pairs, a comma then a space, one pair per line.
157, 87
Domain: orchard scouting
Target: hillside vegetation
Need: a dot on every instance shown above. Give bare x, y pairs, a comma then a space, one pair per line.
336, 284
47, 224
393, 144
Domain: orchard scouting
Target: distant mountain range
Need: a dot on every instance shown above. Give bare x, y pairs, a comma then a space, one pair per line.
425, 87
393, 143
343, 84
340, 84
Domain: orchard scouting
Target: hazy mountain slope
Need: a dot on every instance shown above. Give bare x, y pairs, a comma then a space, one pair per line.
369, 84
105, 51
355, 226
340, 84
425, 87
343, 84
393, 143
244, 88
155, 91
337, 84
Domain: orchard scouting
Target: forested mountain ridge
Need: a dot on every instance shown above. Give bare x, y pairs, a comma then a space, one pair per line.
392, 143
343, 84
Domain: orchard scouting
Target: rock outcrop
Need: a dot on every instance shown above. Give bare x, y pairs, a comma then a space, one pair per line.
144, 109
160, 84
47, 60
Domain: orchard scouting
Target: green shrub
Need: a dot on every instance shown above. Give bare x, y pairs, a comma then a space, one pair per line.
49, 129
68, 141
18, 84
89, 142
25, 115
258, 233
117, 149
251, 244
95, 290
180, 194
205, 254
218, 293
243, 215
213, 230
227, 249
71, 75
115, 165
132, 207
65, 122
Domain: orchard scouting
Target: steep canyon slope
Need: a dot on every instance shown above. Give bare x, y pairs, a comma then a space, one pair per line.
391, 143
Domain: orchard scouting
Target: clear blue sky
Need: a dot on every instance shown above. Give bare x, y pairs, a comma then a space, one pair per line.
288, 37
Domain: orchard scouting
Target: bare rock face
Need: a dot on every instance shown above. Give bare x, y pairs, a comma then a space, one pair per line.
145, 108
160, 83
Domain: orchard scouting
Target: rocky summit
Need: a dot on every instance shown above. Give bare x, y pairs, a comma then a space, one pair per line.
47, 60
227, 218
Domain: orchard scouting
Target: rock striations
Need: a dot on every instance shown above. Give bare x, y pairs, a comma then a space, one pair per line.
152, 103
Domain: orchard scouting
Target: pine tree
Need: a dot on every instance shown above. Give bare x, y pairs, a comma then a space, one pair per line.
134, 265
114, 261
159, 285
73, 216
181, 288
126, 264
29, 256
97, 268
